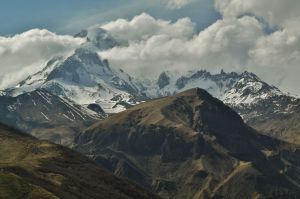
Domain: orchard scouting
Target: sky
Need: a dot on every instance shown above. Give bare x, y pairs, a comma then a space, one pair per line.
69, 17
260, 36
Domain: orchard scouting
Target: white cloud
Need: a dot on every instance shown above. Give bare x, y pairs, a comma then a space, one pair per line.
275, 56
26, 53
239, 41
177, 4
144, 26
223, 45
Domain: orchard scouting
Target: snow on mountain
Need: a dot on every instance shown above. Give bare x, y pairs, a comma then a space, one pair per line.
84, 77
98, 37
46, 116
262, 106
88, 80
245, 92
171, 82
71, 91
34, 81
249, 89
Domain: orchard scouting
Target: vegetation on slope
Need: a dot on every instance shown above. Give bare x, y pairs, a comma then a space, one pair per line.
30, 168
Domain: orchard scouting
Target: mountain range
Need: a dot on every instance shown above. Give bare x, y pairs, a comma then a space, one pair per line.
84, 88
188, 145
183, 134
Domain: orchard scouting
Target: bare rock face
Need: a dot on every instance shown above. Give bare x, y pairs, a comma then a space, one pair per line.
191, 145
96, 108
163, 80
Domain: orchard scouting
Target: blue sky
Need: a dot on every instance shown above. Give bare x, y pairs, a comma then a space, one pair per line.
65, 16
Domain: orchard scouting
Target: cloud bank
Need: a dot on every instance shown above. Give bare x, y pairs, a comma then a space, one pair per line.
275, 55
144, 26
26, 53
262, 37
222, 45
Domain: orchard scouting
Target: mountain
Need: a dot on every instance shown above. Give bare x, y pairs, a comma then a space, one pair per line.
191, 145
172, 82
278, 117
266, 108
84, 77
46, 116
98, 37
262, 106
90, 82
69, 93
232, 88
30, 168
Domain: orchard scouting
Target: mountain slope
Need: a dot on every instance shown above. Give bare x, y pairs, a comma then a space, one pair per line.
265, 108
283, 125
46, 116
191, 145
69, 93
37, 169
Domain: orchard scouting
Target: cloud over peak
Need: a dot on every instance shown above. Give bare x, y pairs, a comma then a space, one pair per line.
237, 42
275, 56
222, 45
25, 53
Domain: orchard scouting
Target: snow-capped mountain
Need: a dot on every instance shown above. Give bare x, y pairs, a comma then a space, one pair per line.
172, 82
261, 105
98, 37
249, 89
84, 77
69, 93
232, 88
240, 91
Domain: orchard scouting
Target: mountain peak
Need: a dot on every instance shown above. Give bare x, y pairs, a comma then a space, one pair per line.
163, 80
250, 75
189, 108
199, 92
97, 37
196, 138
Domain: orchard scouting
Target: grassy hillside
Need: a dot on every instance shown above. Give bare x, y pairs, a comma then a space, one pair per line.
30, 168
